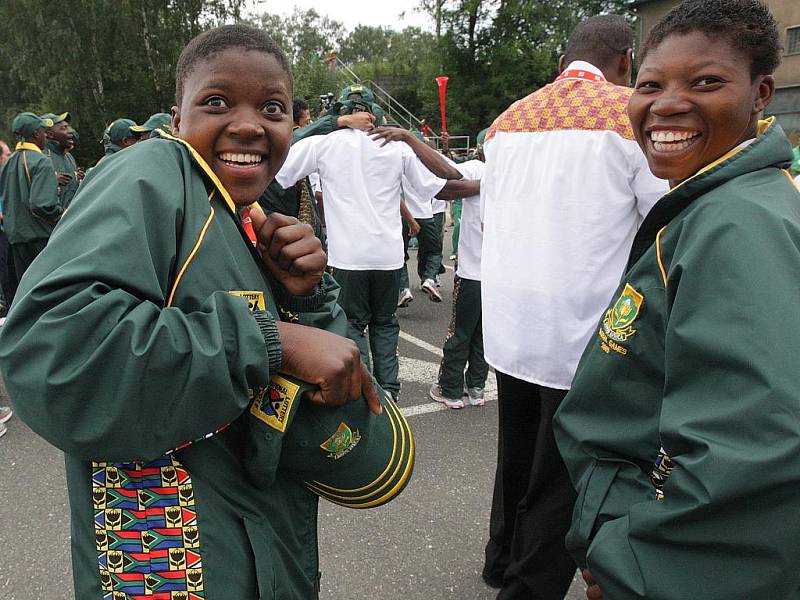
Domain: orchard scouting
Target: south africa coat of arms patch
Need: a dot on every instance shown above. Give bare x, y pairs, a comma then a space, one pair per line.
618, 321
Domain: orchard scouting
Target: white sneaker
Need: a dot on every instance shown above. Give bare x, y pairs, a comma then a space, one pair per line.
475, 396
429, 287
5, 413
405, 298
435, 393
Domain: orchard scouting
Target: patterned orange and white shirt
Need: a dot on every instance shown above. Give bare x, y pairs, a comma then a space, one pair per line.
565, 189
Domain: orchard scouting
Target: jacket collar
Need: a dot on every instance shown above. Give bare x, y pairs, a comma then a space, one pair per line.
770, 149
28, 146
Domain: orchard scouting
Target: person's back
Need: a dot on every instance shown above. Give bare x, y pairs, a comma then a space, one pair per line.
564, 191
584, 191
361, 182
25, 181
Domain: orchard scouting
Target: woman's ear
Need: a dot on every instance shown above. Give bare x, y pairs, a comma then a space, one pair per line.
176, 120
765, 90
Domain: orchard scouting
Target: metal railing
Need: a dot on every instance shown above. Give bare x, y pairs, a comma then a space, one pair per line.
399, 113
393, 108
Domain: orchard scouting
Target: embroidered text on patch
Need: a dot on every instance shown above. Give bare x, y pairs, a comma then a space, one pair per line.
341, 442
273, 405
255, 298
618, 321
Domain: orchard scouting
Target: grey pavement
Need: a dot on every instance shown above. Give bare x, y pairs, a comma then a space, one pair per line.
425, 545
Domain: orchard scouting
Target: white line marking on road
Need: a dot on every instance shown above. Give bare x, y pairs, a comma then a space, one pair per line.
421, 343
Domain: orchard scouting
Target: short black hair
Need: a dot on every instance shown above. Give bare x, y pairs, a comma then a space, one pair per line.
298, 106
208, 43
747, 24
599, 40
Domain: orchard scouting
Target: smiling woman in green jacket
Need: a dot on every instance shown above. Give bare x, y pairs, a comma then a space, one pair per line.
681, 430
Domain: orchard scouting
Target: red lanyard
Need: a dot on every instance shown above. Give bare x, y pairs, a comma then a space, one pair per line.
247, 225
580, 74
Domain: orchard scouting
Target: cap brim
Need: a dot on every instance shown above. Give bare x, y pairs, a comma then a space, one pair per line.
140, 129
346, 455
388, 483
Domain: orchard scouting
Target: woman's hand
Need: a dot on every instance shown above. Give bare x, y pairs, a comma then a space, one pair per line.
290, 251
329, 361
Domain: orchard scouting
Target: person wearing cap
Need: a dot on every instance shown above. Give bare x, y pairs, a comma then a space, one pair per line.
364, 94
30, 192
161, 121
362, 182
59, 142
118, 136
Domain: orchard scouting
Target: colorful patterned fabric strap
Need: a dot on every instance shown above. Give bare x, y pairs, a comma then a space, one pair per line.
146, 535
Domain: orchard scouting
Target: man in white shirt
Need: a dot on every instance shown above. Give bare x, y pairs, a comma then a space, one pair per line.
361, 182
564, 192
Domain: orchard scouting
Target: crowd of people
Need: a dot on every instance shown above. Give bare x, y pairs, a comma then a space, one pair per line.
206, 320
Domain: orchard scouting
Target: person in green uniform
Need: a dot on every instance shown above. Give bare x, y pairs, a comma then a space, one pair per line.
59, 142
680, 431
31, 206
149, 336
118, 136
161, 121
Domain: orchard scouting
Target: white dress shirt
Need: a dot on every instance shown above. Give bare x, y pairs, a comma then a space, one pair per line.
563, 196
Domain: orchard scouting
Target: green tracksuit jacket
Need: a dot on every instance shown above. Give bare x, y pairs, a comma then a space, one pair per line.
29, 187
63, 162
681, 431
131, 335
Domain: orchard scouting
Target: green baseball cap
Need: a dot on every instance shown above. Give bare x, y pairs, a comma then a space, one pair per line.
55, 118
161, 121
119, 130
346, 455
363, 91
25, 124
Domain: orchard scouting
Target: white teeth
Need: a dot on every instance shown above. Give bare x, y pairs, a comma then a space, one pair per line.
240, 158
671, 146
672, 140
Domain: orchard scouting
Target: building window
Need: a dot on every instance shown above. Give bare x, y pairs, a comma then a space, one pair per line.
793, 40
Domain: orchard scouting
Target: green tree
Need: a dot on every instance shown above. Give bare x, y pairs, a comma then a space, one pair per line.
97, 59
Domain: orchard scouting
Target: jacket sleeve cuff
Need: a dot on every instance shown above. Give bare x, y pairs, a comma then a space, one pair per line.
272, 339
299, 304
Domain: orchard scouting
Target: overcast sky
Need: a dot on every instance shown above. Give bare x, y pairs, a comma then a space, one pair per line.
354, 12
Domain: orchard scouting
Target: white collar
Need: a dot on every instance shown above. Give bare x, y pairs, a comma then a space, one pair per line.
582, 65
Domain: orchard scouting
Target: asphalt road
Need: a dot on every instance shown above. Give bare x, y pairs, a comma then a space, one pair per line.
425, 545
